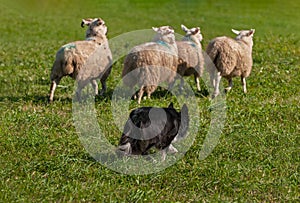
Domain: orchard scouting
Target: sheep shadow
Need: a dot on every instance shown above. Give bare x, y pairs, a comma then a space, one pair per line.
38, 99
202, 93
106, 97
160, 93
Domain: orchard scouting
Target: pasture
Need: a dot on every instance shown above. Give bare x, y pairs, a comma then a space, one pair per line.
257, 158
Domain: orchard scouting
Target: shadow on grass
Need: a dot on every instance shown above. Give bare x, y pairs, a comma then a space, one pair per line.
106, 97
163, 93
202, 93
37, 99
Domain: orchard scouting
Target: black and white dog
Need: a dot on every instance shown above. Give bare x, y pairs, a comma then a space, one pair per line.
149, 127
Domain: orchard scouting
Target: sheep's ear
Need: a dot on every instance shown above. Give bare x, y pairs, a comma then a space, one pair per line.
196, 30
171, 105
170, 30
86, 22
235, 31
155, 29
251, 32
185, 29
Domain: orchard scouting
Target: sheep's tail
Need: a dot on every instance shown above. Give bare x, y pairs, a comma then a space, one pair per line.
212, 51
69, 68
73, 64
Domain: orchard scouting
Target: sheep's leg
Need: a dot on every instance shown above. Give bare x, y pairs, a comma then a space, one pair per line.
140, 94
53, 86
103, 83
217, 84
212, 76
105, 76
171, 85
149, 94
150, 90
95, 86
80, 86
78, 93
244, 84
135, 95
197, 82
230, 85
181, 84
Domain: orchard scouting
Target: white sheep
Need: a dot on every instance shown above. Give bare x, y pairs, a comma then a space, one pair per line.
231, 57
152, 63
190, 57
84, 61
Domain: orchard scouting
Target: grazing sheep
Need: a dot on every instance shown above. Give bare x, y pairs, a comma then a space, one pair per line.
190, 55
84, 61
149, 127
231, 57
152, 63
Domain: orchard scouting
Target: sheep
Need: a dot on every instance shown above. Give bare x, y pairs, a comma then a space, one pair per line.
231, 57
190, 57
84, 61
152, 63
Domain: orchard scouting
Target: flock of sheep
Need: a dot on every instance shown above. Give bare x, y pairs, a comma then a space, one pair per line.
161, 60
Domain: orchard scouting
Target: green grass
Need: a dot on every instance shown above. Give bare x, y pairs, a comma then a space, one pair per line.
42, 159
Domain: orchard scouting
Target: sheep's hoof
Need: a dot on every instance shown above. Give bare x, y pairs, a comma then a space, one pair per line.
78, 97
50, 100
101, 93
134, 97
214, 95
227, 89
181, 89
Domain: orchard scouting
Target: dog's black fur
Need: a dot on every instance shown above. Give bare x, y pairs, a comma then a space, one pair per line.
141, 133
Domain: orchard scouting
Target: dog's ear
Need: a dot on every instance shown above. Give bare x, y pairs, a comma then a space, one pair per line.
184, 123
171, 105
184, 110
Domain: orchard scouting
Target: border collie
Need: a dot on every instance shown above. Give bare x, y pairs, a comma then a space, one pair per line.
149, 127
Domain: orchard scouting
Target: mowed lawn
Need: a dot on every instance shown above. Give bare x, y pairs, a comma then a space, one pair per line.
257, 158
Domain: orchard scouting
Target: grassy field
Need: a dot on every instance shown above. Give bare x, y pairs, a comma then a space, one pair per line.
42, 159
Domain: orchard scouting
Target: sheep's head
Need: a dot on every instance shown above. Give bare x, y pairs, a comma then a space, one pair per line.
96, 27
193, 34
245, 35
164, 33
